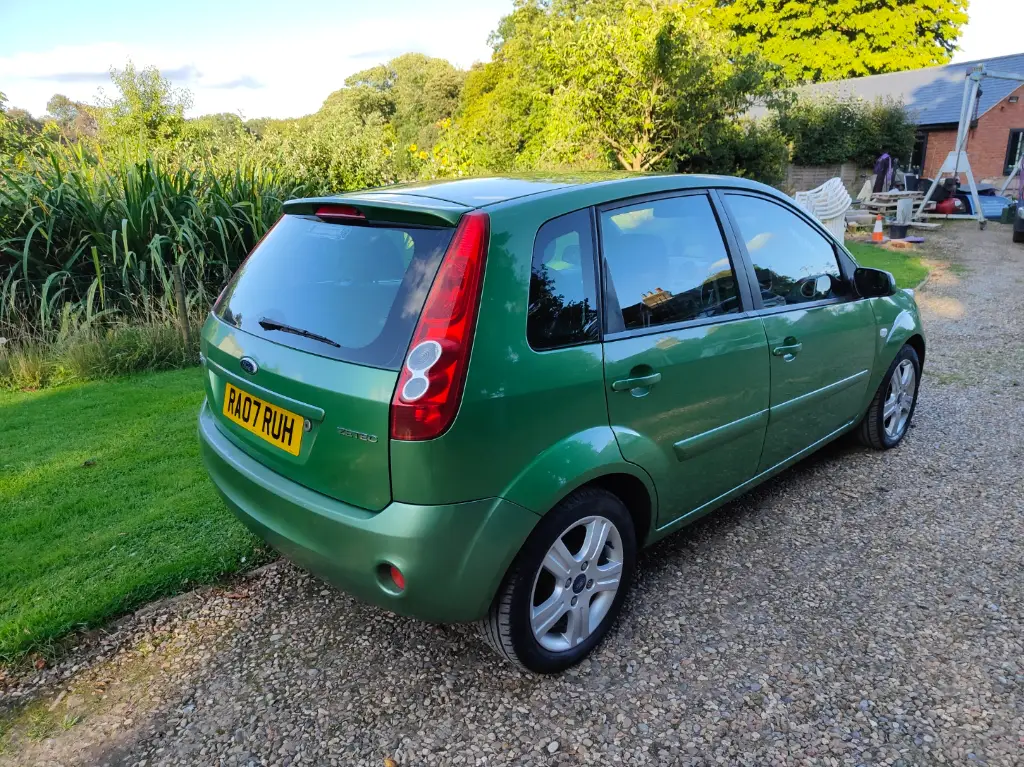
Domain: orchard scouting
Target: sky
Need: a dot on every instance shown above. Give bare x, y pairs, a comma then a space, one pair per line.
271, 58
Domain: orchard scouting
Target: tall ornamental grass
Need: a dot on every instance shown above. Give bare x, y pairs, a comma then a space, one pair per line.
88, 242
87, 246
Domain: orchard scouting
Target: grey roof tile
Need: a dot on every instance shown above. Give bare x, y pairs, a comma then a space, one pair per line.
933, 95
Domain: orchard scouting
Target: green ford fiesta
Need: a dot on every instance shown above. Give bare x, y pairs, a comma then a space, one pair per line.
476, 400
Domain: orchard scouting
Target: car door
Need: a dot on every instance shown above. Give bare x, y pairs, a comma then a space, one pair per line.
822, 340
686, 368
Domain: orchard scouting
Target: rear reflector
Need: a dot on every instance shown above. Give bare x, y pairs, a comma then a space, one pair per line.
339, 213
398, 578
430, 386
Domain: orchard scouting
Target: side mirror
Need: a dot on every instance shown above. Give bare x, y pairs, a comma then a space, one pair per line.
872, 283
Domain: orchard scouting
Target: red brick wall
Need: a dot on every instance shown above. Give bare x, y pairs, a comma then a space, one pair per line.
986, 144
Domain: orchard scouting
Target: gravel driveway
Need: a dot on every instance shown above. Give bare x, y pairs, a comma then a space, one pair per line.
861, 609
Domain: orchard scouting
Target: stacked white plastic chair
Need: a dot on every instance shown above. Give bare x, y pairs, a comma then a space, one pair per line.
828, 203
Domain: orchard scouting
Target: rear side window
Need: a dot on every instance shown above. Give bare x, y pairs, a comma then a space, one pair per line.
353, 293
667, 262
563, 291
793, 262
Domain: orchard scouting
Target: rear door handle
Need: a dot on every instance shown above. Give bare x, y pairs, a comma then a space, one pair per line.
638, 382
789, 350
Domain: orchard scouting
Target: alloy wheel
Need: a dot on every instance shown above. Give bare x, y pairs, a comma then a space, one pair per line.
576, 583
899, 399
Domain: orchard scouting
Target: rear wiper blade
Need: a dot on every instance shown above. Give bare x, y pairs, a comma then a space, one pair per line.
268, 324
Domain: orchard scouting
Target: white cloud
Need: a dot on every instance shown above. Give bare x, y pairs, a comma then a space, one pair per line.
993, 29
273, 76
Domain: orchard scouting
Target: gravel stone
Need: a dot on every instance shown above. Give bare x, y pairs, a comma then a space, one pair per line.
863, 608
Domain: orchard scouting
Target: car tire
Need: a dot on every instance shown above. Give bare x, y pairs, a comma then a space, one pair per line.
581, 595
1018, 236
884, 425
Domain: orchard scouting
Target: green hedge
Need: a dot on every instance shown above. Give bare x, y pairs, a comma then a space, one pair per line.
834, 131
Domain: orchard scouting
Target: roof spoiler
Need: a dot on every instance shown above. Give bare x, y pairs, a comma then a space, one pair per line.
380, 208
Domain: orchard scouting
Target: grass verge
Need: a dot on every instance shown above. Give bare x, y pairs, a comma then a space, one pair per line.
89, 355
104, 504
905, 267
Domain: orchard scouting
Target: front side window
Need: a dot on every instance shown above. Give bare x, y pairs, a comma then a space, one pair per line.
563, 291
793, 262
667, 262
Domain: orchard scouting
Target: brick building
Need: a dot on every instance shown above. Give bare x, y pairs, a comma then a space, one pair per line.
933, 96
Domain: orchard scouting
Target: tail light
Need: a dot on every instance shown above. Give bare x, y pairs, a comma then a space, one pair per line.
430, 385
339, 213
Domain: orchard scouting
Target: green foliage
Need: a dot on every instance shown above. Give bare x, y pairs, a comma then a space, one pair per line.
814, 40
88, 240
750, 149
416, 93
649, 79
98, 202
110, 352
106, 505
18, 130
146, 109
589, 84
75, 121
833, 131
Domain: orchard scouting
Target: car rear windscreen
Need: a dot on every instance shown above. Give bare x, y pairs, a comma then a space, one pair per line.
349, 292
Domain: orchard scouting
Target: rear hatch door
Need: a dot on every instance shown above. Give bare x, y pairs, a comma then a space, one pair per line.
304, 346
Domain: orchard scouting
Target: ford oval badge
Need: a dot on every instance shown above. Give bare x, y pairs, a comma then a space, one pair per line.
248, 364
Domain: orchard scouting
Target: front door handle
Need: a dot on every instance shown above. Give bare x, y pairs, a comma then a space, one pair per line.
789, 349
637, 382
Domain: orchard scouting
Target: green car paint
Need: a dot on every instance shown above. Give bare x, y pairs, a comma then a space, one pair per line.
294, 380
714, 391
677, 420
459, 549
817, 390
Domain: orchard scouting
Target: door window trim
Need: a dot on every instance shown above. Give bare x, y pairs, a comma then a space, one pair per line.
615, 331
671, 327
843, 260
595, 276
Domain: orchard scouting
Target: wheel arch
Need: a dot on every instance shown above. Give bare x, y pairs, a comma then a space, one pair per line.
587, 459
916, 342
634, 495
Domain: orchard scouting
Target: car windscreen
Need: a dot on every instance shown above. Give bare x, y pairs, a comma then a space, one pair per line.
350, 292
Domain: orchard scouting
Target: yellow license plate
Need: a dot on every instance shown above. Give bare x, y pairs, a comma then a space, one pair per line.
276, 425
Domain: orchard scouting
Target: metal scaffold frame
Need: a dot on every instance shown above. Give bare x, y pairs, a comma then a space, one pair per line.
957, 161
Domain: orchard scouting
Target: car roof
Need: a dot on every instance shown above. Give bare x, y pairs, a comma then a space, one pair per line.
482, 192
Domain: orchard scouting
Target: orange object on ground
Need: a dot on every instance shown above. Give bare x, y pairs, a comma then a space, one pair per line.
878, 235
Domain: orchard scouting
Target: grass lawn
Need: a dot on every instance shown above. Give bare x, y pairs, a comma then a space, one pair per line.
906, 268
82, 543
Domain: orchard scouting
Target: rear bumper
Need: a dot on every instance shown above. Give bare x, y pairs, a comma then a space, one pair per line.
453, 556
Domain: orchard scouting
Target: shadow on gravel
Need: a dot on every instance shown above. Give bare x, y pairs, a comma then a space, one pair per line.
703, 532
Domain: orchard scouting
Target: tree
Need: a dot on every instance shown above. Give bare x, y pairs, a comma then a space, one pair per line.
648, 78
74, 119
814, 40
414, 92
748, 148
579, 82
147, 107
18, 129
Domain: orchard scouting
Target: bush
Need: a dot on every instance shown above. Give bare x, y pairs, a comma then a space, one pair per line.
748, 149
834, 131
